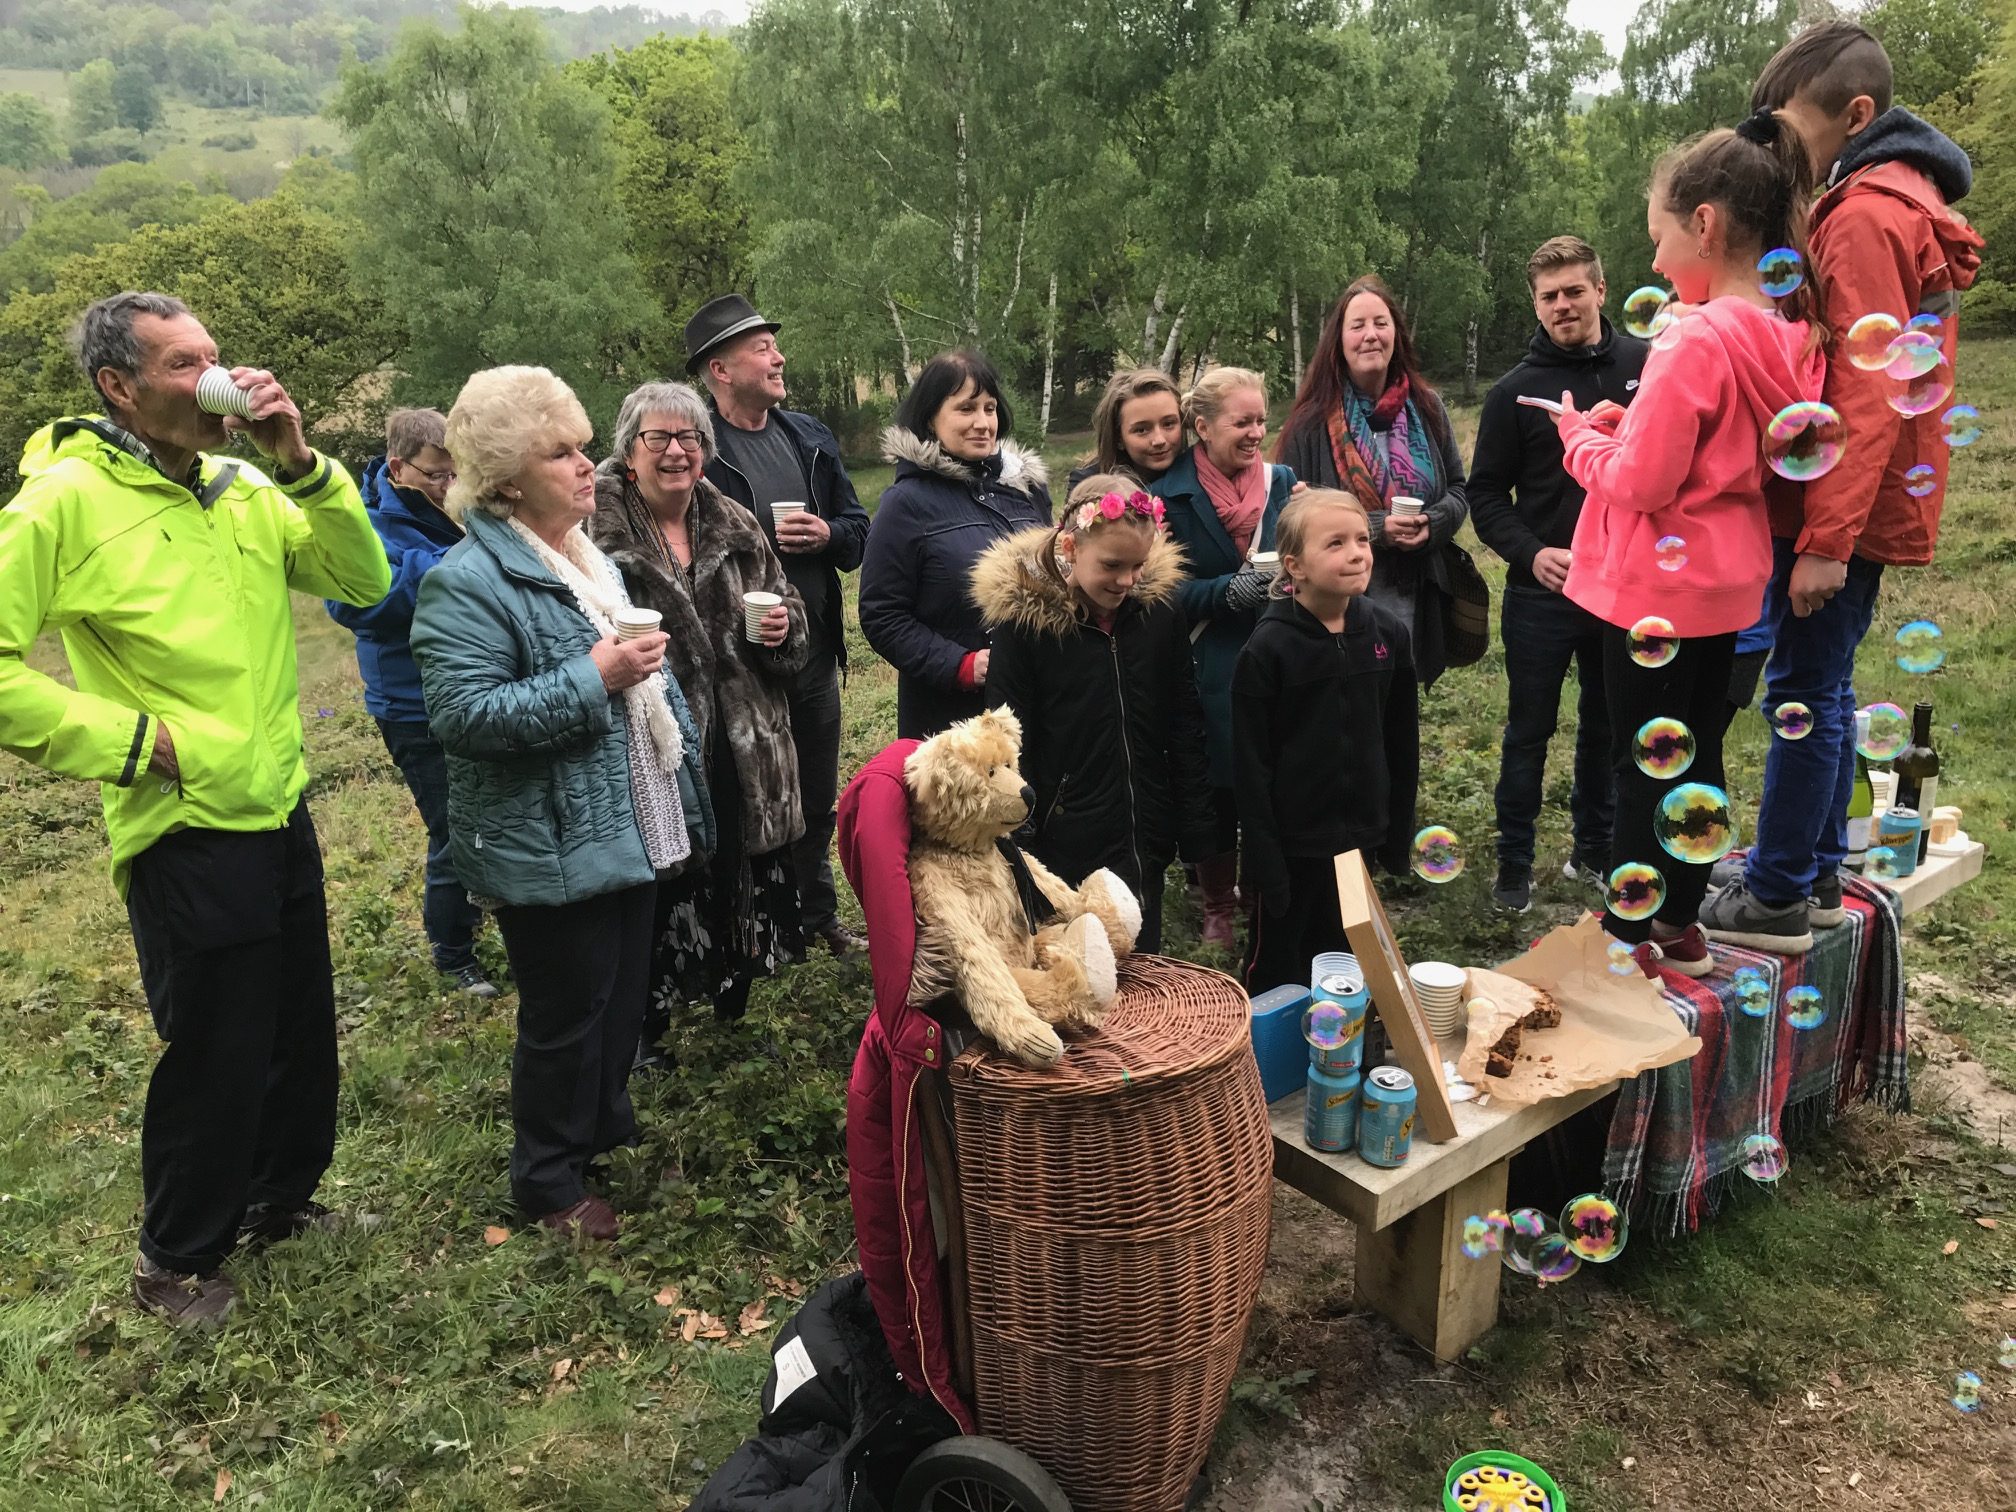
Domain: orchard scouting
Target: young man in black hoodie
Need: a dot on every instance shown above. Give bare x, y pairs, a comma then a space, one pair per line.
1525, 507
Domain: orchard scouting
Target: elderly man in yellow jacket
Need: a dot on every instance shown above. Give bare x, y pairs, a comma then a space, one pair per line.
166, 570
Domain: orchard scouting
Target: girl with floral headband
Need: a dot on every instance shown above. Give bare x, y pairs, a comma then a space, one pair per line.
1090, 650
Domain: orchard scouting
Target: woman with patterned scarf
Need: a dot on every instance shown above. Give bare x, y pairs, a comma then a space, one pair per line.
1366, 421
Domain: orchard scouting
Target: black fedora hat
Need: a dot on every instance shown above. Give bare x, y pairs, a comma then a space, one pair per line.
717, 321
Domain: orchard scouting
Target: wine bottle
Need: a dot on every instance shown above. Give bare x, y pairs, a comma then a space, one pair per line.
1917, 767
1861, 799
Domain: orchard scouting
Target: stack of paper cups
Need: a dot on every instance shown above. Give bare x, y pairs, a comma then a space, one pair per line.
754, 607
631, 622
1439, 986
1883, 788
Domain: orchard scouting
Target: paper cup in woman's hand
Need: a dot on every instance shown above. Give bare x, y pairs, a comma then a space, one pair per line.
754, 607
1403, 505
631, 623
216, 393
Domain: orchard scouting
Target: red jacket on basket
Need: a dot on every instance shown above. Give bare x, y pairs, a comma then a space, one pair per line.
899, 1047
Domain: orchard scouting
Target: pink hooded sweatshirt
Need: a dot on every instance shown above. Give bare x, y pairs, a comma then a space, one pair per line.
1688, 461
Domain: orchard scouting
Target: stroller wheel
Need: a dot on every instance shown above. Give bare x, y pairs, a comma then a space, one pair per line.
977, 1475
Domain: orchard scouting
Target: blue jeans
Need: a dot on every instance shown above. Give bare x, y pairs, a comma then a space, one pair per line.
450, 919
1542, 633
1802, 825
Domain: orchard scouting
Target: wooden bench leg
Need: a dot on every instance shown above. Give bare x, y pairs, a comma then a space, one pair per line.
1413, 1272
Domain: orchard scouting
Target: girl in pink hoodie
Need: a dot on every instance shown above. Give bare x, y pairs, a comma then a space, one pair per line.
1675, 524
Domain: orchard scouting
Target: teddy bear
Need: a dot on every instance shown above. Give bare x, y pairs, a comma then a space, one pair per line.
1018, 982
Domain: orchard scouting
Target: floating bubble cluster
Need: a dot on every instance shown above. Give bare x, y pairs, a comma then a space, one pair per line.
1921, 480
1889, 732
1923, 392
1663, 747
1595, 1227
1913, 353
1485, 1235
1804, 441
1438, 854
1781, 271
1645, 311
1921, 647
1805, 1008
1634, 891
1693, 824
1651, 642
1792, 721
1325, 1025
1961, 425
1672, 552
1763, 1158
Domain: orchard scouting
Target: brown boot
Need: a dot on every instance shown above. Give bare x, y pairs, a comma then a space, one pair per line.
590, 1218
187, 1301
1219, 877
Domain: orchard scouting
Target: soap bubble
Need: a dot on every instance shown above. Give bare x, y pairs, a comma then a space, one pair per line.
1652, 642
1804, 1007
1663, 747
1792, 720
1595, 1227
1921, 480
1967, 1391
1693, 823
1481, 1237
1622, 959
1923, 392
1528, 1223
2006, 1356
1962, 425
1882, 863
1763, 1158
1326, 1025
1889, 732
1921, 647
1926, 322
1867, 344
1804, 440
1526, 1228
1634, 891
1913, 353
1553, 1258
1438, 854
1781, 271
1645, 312
1753, 991
1668, 334
1672, 553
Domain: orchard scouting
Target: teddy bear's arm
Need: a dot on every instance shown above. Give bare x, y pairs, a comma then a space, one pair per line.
1062, 896
990, 993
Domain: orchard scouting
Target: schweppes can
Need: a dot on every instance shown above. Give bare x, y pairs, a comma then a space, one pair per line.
1386, 1117
1330, 1120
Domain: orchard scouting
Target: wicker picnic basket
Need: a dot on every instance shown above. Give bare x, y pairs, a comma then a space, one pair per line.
1114, 1213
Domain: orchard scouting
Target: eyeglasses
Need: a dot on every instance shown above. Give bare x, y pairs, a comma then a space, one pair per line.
439, 479
655, 441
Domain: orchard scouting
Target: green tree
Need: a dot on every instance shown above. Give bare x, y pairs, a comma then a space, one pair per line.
136, 98
27, 133
679, 152
275, 281
123, 198
1935, 46
486, 182
92, 108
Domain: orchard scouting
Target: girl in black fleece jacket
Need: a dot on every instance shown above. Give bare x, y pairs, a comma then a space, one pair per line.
1325, 739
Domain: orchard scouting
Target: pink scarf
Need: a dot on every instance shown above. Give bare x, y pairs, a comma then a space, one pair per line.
1239, 501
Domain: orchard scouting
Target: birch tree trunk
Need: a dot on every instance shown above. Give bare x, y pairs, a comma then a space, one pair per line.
1154, 320
902, 336
1168, 362
1049, 358
1295, 322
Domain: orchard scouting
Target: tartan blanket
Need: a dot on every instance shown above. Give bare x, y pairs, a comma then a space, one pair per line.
1674, 1150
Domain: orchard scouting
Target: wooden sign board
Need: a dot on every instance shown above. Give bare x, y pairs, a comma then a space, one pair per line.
1393, 996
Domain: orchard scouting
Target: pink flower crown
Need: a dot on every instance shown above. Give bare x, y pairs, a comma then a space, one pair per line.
1113, 506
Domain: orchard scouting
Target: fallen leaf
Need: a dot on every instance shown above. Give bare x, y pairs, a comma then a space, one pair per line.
1987, 1223
1629, 1461
1854, 1480
689, 1330
1949, 1246
223, 1485
712, 1327
495, 1235
667, 1297
751, 1319
560, 1369
1499, 1419
332, 1426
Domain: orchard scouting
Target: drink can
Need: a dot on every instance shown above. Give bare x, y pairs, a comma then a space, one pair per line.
1386, 1117
1898, 828
1349, 994
1330, 1121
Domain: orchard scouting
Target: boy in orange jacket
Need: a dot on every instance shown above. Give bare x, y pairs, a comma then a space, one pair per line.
1884, 241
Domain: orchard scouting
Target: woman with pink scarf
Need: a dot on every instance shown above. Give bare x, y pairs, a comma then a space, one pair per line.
1222, 500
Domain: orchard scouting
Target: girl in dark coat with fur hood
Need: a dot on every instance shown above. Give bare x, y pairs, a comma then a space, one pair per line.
688, 551
1092, 653
959, 488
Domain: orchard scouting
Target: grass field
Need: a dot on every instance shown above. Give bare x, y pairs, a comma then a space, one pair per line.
440, 1356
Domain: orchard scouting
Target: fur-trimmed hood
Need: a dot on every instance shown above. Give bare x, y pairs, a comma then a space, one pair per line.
1011, 466
1011, 586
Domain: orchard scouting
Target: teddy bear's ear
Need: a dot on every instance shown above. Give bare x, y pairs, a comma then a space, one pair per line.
1005, 721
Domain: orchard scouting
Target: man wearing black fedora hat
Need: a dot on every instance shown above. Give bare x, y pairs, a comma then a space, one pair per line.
768, 458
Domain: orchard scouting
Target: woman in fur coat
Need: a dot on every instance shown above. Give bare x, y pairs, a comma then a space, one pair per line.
689, 552
959, 488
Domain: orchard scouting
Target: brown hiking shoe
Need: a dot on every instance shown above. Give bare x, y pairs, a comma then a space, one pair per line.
590, 1218
187, 1301
274, 1223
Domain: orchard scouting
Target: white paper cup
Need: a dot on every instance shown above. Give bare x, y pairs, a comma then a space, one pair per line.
216, 393
1403, 505
754, 607
631, 623
781, 509
1267, 561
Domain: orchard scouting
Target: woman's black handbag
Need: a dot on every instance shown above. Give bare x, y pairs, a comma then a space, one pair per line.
1466, 608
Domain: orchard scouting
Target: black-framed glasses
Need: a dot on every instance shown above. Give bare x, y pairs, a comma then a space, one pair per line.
655, 441
439, 479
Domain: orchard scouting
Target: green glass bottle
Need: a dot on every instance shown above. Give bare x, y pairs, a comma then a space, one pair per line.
1917, 767
1861, 800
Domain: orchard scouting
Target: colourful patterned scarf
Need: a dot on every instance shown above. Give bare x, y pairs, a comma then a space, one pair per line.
1239, 501
1405, 465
